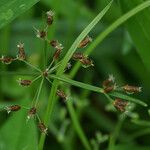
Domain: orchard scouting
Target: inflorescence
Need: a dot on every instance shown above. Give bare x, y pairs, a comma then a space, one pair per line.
109, 84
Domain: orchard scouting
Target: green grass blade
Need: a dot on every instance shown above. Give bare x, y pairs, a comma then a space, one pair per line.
11, 9
110, 29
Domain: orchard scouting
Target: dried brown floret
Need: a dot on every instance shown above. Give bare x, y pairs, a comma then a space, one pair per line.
31, 113
41, 33
78, 56
6, 60
108, 89
24, 82
54, 43
109, 81
50, 15
120, 104
132, 89
85, 42
42, 127
86, 62
57, 54
61, 94
13, 108
21, 53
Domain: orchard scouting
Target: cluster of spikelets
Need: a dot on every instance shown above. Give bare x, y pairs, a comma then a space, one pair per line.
109, 84
21, 56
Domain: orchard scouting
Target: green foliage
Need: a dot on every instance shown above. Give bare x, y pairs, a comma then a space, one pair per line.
16, 133
11, 9
89, 111
139, 30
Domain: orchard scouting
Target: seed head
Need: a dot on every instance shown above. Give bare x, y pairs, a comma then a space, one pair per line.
61, 94
6, 60
109, 82
21, 53
41, 33
13, 108
57, 54
86, 62
50, 15
108, 89
56, 44
120, 105
24, 82
85, 42
31, 113
78, 56
132, 89
42, 127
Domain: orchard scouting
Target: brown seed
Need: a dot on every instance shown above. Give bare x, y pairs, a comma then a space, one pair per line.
61, 94
78, 56
42, 127
108, 89
85, 42
45, 73
120, 105
86, 62
57, 54
21, 52
50, 16
13, 108
31, 113
54, 43
132, 89
109, 81
41, 33
6, 60
25, 82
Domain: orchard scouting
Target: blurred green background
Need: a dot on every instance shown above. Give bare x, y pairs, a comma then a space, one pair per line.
119, 54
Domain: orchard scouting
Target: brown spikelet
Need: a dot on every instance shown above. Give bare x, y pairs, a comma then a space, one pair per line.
85, 42
61, 94
86, 62
120, 105
25, 82
13, 108
42, 127
6, 60
21, 53
78, 56
132, 89
50, 19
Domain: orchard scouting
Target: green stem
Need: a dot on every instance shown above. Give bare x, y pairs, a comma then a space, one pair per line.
32, 66
115, 134
45, 53
39, 91
36, 78
77, 125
